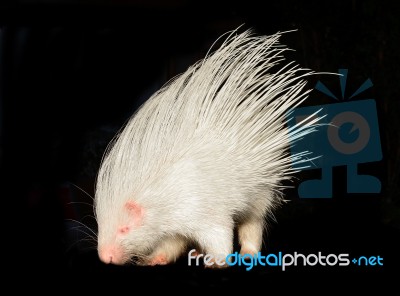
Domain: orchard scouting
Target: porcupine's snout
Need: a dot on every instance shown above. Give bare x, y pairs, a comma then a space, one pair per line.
111, 255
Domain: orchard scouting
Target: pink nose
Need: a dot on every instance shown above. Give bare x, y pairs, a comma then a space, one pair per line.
111, 255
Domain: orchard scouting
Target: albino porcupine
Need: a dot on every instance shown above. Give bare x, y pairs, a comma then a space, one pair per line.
206, 153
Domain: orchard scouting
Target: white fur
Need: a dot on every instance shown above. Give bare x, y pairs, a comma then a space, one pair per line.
208, 150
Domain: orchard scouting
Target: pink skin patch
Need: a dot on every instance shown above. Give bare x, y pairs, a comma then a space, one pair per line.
136, 213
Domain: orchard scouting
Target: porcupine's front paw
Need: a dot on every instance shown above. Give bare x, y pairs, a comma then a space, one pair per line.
167, 252
160, 259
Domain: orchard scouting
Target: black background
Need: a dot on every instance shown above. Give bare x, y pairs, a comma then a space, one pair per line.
72, 72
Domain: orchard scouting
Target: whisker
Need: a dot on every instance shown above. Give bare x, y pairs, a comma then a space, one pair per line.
78, 228
84, 225
82, 240
89, 216
82, 190
79, 202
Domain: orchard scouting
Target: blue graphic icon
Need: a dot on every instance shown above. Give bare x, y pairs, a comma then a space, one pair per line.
349, 136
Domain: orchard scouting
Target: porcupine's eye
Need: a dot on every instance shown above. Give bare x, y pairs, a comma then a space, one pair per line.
123, 230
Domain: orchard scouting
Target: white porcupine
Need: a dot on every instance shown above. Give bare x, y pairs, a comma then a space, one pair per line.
206, 153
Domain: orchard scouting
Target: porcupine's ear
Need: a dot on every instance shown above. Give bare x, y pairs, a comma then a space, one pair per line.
135, 212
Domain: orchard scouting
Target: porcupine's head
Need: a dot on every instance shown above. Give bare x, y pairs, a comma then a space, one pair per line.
121, 232
128, 225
